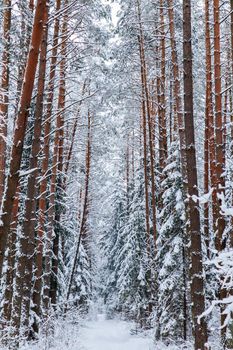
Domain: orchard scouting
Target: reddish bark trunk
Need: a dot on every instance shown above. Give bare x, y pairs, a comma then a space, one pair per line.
21, 124
144, 131
60, 182
196, 268
47, 127
4, 88
162, 105
219, 146
51, 254
149, 121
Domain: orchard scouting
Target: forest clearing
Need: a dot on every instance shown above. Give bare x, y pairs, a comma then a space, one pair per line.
116, 174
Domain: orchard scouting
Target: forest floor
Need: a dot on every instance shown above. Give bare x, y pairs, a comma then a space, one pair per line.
102, 334
98, 333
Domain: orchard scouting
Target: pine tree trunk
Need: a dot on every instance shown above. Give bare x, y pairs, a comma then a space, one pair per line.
219, 146
20, 129
60, 182
209, 131
127, 171
210, 143
24, 275
218, 125
206, 183
178, 130
84, 212
149, 121
28, 227
162, 105
25, 35
196, 269
47, 127
178, 114
231, 98
70, 150
51, 255
144, 130
10, 272
30, 210
4, 91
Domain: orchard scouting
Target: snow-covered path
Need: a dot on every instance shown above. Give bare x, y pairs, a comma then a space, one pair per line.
97, 334
114, 334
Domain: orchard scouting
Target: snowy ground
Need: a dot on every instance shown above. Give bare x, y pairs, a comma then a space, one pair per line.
114, 334
98, 333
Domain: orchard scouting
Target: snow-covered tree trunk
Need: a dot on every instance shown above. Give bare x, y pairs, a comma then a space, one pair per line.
20, 127
4, 91
196, 268
47, 125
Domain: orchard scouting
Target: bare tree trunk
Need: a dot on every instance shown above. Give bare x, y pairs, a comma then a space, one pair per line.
60, 183
231, 102
20, 129
51, 256
149, 121
219, 146
26, 10
209, 152
10, 273
28, 227
4, 88
70, 150
218, 125
179, 132
85, 209
178, 114
127, 170
196, 268
145, 160
47, 127
30, 208
206, 183
162, 104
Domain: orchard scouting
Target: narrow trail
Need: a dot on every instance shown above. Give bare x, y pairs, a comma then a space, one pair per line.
114, 334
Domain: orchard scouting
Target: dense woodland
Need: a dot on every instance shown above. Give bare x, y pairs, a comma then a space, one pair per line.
116, 167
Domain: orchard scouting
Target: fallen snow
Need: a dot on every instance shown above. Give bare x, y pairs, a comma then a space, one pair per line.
95, 334
99, 333
103, 334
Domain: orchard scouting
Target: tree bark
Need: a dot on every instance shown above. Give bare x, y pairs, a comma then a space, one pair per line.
149, 121
4, 89
20, 128
162, 104
144, 130
47, 127
219, 146
10, 272
70, 150
30, 205
85, 210
196, 268
51, 260
231, 98
209, 147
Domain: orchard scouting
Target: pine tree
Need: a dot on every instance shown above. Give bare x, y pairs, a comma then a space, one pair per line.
196, 268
